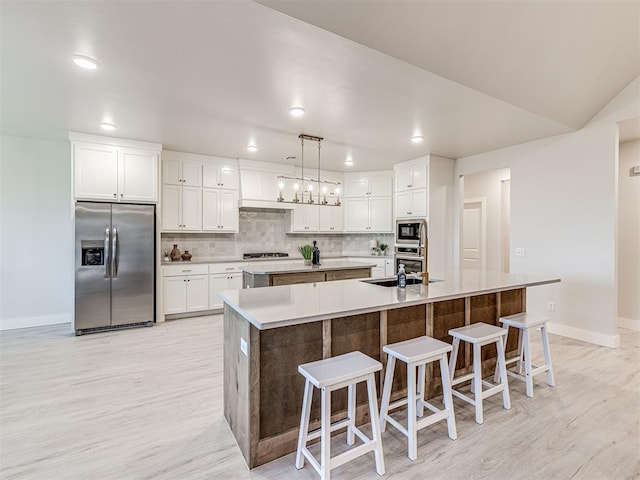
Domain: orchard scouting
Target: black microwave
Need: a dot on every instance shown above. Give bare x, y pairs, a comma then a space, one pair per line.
407, 231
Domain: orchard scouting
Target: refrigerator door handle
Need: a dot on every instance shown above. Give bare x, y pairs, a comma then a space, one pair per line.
107, 259
114, 254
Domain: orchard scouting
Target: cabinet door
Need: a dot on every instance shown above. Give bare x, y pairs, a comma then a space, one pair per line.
191, 208
381, 214
171, 172
419, 177
404, 204
137, 175
229, 216
403, 179
389, 267
419, 203
175, 295
228, 178
210, 209
197, 293
171, 207
95, 171
356, 214
381, 185
331, 219
356, 187
235, 281
217, 283
191, 174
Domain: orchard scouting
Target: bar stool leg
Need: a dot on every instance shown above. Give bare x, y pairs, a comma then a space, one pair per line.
375, 423
351, 413
386, 391
420, 390
325, 435
454, 358
411, 411
547, 356
447, 398
520, 352
477, 382
527, 362
304, 423
506, 400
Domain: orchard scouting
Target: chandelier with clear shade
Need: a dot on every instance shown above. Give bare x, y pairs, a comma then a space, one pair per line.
309, 190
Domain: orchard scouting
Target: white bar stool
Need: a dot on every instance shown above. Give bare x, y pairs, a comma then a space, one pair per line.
328, 375
417, 352
479, 335
524, 322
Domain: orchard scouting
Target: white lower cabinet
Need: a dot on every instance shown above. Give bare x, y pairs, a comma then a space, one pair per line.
185, 288
223, 276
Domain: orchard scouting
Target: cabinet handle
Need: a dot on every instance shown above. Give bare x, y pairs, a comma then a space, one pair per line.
186, 271
115, 195
188, 280
122, 195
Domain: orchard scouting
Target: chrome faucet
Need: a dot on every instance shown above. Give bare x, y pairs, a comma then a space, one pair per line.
422, 250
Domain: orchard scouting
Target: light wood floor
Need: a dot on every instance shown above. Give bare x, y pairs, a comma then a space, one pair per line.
147, 404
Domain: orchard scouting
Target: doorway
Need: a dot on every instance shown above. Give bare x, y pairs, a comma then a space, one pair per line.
485, 220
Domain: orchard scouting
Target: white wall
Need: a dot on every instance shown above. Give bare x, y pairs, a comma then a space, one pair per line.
440, 214
563, 211
36, 265
629, 235
488, 185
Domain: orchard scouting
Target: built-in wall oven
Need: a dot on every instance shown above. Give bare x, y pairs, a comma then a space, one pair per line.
410, 257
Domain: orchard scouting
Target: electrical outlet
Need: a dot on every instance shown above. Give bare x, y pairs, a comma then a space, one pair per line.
243, 347
551, 306
519, 252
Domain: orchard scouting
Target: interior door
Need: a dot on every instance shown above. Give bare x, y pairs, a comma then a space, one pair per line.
472, 232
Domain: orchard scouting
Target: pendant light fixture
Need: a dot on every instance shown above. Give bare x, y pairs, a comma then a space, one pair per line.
311, 190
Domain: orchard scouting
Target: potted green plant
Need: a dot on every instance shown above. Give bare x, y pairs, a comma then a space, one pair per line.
307, 252
383, 248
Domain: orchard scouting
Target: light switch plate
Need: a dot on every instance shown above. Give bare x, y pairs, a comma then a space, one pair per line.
519, 252
243, 347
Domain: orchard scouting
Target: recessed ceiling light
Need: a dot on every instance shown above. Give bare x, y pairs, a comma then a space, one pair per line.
417, 138
252, 148
85, 62
108, 126
348, 161
296, 111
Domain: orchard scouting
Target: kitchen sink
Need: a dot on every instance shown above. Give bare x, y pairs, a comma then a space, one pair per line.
393, 282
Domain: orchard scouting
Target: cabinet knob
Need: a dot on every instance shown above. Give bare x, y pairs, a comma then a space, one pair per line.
115, 196
122, 195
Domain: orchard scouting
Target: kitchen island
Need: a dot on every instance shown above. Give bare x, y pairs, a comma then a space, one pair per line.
289, 273
268, 332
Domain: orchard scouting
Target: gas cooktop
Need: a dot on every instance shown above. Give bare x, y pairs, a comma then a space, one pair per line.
265, 255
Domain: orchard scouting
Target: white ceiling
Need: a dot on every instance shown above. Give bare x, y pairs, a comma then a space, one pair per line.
212, 76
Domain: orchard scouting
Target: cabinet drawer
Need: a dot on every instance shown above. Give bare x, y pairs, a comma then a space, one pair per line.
293, 278
231, 267
185, 269
347, 274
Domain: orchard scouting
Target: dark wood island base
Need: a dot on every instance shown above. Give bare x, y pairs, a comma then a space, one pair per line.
263, 390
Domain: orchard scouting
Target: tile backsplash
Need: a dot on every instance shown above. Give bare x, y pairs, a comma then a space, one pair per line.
264, 231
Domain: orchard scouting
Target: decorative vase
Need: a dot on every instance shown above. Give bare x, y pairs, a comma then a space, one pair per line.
307, 263
186, 256
175, 254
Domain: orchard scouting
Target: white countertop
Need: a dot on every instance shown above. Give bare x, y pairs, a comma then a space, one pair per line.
299, 266
272, 307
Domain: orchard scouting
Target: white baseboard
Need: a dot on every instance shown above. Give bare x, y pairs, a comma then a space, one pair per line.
629, 323
611, 341
27, 322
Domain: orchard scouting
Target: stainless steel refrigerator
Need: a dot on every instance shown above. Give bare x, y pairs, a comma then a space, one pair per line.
115, 266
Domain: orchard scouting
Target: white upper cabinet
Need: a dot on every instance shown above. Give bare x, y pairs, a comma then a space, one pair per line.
368, 202
219, 210
411, 175
259, 185
220, 176
181, 172
376, 184
114, 170
331, 219
411, 188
